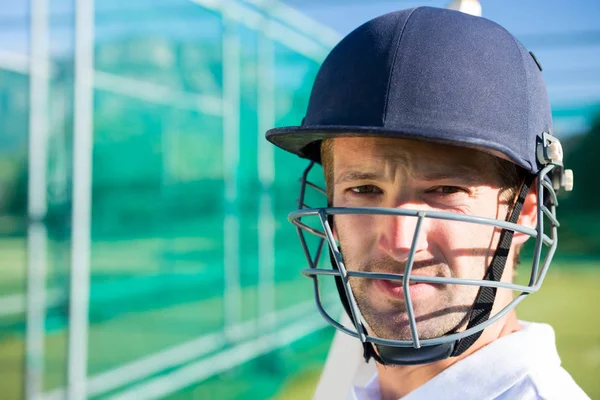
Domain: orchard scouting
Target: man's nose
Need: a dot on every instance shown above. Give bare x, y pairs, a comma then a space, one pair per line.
397, 236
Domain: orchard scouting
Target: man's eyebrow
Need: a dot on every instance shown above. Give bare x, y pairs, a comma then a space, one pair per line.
354, 175
466, 175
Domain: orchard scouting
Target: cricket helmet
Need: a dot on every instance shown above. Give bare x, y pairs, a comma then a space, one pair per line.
443, 76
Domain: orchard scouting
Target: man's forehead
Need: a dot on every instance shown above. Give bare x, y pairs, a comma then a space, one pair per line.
419, 157
398, 147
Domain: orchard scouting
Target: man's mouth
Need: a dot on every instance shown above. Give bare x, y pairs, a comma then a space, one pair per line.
395, 289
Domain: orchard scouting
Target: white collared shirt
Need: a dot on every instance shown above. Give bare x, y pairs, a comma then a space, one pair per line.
523, 365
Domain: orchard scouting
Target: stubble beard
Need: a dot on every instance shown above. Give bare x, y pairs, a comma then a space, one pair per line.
444, 313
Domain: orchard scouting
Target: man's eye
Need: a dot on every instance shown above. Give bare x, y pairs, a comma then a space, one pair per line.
365, 189
448, 190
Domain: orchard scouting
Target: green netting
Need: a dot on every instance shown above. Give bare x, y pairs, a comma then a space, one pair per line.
158, 251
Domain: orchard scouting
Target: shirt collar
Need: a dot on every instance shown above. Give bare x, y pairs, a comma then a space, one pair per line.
371, 391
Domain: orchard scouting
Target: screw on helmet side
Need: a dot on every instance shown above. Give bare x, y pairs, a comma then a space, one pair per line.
550, 151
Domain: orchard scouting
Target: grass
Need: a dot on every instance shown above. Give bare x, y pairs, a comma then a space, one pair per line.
568, 301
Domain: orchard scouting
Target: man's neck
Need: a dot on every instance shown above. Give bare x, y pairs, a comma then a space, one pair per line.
397, 381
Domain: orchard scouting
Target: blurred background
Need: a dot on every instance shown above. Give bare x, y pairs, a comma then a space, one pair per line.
144, 245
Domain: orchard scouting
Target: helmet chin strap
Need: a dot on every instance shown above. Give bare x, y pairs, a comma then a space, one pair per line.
480, 312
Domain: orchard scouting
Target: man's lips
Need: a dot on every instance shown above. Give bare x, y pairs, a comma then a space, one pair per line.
395, 290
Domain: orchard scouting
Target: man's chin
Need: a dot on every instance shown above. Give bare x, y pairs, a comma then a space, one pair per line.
396, 325
390, 325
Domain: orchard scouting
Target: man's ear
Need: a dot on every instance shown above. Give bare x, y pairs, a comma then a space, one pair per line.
528, 216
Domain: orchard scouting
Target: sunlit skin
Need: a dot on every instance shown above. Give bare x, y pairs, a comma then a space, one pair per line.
398, 173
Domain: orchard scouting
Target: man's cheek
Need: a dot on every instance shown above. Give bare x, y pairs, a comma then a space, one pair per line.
464, 238
353, 230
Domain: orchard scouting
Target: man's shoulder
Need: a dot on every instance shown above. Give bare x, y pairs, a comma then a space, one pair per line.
548, 383
522, 365
533, 352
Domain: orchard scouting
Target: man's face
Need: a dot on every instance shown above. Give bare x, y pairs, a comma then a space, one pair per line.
398, 173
